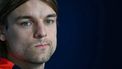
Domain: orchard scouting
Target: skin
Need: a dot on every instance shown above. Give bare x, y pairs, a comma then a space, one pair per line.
31, 24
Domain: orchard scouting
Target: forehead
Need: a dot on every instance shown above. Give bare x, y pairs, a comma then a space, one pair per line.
33, 8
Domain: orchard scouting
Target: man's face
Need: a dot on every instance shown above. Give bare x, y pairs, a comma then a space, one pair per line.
31, 32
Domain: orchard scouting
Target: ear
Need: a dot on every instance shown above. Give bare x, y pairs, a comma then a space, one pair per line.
2, 33
2, 37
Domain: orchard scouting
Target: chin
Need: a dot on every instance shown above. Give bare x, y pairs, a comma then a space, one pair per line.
39, 59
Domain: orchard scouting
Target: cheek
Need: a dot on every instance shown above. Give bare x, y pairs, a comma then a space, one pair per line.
16, 39
17, 34
52, 33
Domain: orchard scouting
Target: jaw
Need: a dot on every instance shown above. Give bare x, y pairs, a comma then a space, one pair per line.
26, 65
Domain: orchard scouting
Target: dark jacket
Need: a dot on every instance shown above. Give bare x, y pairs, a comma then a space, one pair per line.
16, 67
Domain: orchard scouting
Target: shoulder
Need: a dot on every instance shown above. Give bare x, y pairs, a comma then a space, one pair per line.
5, 63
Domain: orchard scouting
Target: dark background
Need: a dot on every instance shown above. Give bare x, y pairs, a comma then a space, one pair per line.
89, 35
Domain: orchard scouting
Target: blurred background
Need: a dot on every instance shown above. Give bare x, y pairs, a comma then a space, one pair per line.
89, 35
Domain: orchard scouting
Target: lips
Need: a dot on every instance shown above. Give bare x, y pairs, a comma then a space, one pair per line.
42, 45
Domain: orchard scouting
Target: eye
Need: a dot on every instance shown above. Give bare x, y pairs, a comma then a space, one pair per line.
49, 21
26, 23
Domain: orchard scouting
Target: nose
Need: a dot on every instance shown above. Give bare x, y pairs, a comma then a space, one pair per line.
40, 31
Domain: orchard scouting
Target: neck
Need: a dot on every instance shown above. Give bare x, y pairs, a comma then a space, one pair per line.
26, 65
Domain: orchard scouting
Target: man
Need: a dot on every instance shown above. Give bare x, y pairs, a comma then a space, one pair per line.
28, 31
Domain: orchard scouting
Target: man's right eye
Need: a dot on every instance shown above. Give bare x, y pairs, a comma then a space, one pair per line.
26, 23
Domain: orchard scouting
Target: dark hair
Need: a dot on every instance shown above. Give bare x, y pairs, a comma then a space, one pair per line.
6, 7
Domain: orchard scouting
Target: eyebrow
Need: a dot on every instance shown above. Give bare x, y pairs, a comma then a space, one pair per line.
51, 15
29, 17
22, 17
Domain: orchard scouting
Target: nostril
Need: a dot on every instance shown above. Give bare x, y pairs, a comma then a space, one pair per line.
40, 35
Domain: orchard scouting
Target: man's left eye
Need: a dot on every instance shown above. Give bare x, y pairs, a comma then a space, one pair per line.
49, 21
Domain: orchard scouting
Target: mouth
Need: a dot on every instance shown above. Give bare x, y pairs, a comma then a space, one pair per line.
42, 45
